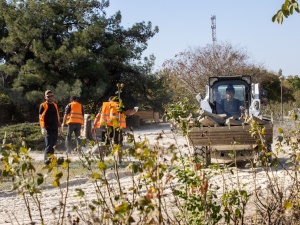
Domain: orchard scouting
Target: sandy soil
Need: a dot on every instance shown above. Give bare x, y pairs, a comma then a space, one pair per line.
12, 206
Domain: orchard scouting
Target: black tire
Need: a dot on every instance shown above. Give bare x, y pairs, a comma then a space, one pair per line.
202, 155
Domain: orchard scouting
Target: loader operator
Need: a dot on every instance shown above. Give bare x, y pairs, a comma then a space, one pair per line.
230, 106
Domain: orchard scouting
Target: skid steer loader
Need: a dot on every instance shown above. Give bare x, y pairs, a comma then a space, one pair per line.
225, 137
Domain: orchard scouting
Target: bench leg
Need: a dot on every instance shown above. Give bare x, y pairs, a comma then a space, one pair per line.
202, 154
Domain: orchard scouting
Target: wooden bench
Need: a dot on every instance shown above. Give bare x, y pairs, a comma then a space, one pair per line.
148, 115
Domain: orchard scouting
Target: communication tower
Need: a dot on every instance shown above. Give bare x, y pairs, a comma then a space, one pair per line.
213, 29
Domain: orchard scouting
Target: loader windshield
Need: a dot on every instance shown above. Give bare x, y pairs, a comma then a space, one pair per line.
239, 91
221, 91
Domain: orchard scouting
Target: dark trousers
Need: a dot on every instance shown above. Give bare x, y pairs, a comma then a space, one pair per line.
73, 127
110, 133
115, 136
50, 141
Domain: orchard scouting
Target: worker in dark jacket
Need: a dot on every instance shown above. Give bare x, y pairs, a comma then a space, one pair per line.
231, 106
74, 118
49, 122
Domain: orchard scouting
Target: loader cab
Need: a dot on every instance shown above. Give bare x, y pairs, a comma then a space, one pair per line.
217, 91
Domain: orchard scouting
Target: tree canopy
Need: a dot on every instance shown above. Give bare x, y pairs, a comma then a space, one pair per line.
69, 46
188, 73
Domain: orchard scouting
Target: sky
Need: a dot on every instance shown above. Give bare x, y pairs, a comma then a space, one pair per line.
244, 24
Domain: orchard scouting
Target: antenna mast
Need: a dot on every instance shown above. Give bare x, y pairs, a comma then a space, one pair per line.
213, 28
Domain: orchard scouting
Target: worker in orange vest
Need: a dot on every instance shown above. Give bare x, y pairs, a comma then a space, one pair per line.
49, 122
74, 118
113, 122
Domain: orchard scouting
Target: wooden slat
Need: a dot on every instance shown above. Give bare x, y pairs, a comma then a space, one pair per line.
208, 121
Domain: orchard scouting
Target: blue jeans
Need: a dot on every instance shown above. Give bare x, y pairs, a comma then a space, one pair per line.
73, 127
50, 141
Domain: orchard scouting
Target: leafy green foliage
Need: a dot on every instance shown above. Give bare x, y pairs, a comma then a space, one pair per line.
181, 113
6, 108
287, 9
199, 200
234, 203
28, 133
69, 47
145, 89
27, 181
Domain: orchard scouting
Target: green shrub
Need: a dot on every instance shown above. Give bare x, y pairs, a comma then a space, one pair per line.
28, 134
6, 107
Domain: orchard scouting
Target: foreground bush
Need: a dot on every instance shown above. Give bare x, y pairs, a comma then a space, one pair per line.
27, 135
167, 187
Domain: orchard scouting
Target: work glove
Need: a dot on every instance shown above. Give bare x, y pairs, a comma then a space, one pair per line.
44, 131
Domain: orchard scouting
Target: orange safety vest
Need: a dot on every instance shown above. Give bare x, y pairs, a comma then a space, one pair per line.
75, 115
42, 116
110, 116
